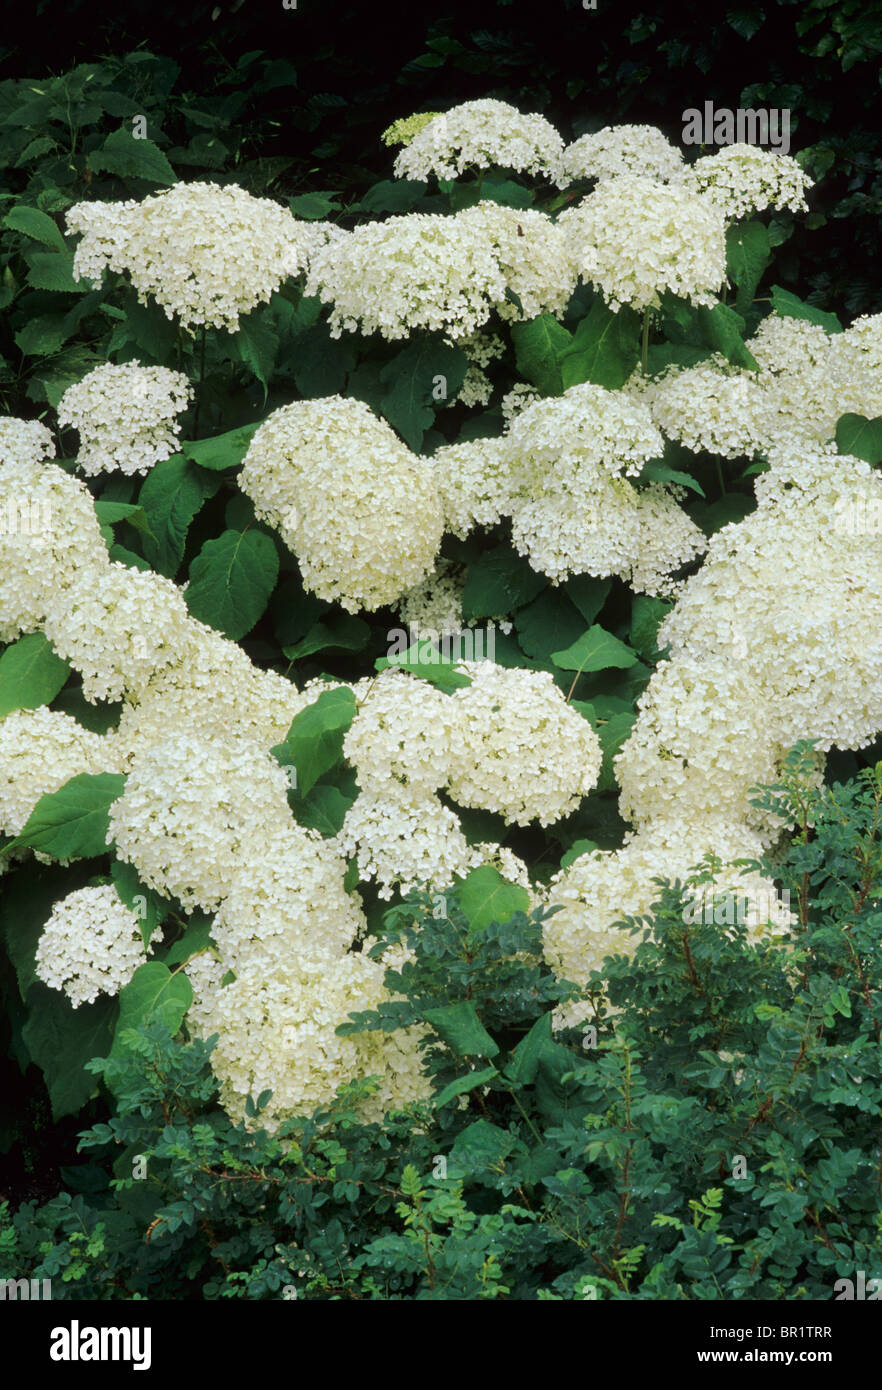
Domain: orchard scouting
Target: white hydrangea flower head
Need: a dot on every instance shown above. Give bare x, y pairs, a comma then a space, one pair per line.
442, 272
533, 255
607, 527
358, 509
482, 134
196, 809
287, 907
742, 179
435, 606
474, 481
588, 428
633, 238
91, 944
118, 627
205, 252
279, 1035
623, 149
482, 348
125, 416
401, 733
25, 442
599, 889
712, 406
49, 540
522, 750
476, 389
40, 750
217, 691
405, 839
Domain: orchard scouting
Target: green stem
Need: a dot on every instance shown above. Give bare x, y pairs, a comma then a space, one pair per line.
644, 348
201, 379
720, 477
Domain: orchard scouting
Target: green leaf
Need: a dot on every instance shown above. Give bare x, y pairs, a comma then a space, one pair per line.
35, 224
596, 650
787, 304
498, 582
646, 615
423, 659
547, 624
862, 438
231, 580
485, 897
587, 593
420, 379
507, 193
460, 1027
152, 993
196, 938
313, 206
222, 450
109, 513
464, 1084
30, 674
481, 1147
130, 158
150, 907
44, 335
62, 1039
323, 809
338, 631
577, 849
539, 345
257, 346
657, 472
722, 329
48, 270
314, 742
392, 195
524, 1061
748, 252
72, 823
605, 348
171, 495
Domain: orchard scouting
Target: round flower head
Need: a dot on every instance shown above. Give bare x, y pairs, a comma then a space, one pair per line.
623, 149
481, 135
712, 406
125, 416
24, 441
49, 539
118, 627
586, 429
742, 179
634, 238
358, 509
194, 810
473, 479
92, 944
402, 733
205, 252
40, 750
433, 609
405, 839
522, 750
279, 1034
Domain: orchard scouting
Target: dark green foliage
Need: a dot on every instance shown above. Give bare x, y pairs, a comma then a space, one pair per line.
715, 1137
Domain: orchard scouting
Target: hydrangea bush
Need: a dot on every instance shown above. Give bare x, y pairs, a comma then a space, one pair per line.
487, 539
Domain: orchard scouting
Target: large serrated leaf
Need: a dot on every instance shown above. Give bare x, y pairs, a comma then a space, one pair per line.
314, 742
231, 580
30, 674
72, 823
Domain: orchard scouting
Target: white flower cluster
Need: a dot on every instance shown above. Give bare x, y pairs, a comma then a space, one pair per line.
125, 416
40, 750
623, 149
742, 178
24, 442
405, 839
474, 483
711, 406
522, 750
634, 238
358, 509
50, 542
573, 509
205, 252
194, 810
403, 732
279, 1034
91, 944
448, 273
482, 135
433, 609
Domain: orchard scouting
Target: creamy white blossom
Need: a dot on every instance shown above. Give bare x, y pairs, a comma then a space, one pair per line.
91, 944
742, 178
125, 416
623, 149
481, 135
